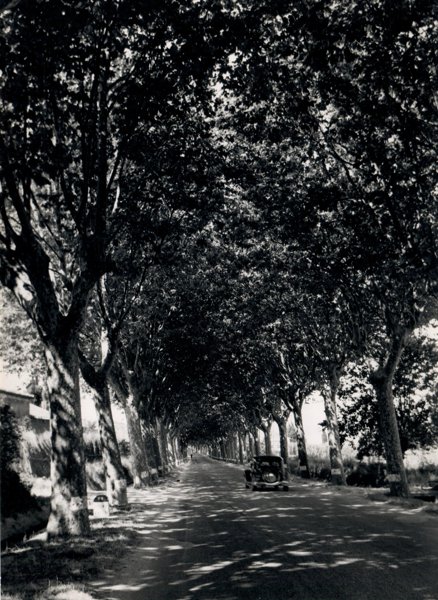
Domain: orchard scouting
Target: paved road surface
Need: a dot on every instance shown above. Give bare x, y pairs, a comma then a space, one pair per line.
208, 538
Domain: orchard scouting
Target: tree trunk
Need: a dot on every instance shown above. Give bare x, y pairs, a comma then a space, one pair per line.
137, 451
228, 450
222, 448
235, 448
382, 380
250, 445
115, 476
151, 449
182, 448
139, 462
241, 456
257, 448
266, 428
155, 455
162, 439
178, 453
167, 437
68, 505
284, 450
335, 453
301, 443
173, 449
231, 447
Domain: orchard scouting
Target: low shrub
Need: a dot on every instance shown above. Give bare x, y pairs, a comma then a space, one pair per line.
350, 464
9, 439
323, 473
367, 475
319, 466
16, 498
319, 463
293, 466
424, 475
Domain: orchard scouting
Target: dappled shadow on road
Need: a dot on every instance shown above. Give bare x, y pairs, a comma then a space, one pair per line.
202, 541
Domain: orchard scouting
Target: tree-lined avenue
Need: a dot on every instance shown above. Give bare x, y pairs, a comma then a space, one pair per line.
211, 210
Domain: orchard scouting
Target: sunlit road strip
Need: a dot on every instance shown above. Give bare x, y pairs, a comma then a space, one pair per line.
207, 538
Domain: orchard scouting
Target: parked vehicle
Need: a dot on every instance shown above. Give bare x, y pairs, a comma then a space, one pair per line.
266, 472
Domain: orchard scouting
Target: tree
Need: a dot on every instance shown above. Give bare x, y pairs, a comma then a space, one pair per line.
414, 398
357, 82
56, 163
20, 348
75, 88
377, 130
96, 376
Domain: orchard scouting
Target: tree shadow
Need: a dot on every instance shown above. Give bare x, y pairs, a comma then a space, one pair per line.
208, 538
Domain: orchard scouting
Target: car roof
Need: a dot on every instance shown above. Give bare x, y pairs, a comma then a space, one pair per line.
267, 457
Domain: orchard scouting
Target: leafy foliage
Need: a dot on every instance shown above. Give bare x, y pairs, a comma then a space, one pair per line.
20, 347
415, 400
9, 439
257, 183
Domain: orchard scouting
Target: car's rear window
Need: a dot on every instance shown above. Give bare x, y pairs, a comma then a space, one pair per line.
266, 462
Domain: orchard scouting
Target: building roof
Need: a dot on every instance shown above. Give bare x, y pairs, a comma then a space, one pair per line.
16, 395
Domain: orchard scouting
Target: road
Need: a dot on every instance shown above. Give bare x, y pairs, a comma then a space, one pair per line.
208, 538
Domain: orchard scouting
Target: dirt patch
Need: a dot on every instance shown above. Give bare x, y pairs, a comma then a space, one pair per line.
35, 565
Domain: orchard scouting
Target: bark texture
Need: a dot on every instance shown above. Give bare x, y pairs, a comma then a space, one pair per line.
266, 428
241, 454
257, 448
334, 441
126, 391
301, 443
115, 476
382, 380
68, 503
139, 461
162, 439
152, 451
97, 379
284, 447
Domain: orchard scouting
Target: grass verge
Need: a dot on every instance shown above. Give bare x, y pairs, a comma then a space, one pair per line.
37, 570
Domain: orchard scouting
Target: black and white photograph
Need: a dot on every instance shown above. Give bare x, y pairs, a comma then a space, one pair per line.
219, 299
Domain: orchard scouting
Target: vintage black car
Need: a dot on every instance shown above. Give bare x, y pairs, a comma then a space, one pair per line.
266, 472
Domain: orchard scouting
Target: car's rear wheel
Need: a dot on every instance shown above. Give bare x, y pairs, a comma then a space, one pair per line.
285, 488
254, 488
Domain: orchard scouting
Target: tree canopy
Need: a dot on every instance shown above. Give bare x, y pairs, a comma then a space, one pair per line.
244, 197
